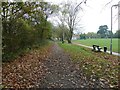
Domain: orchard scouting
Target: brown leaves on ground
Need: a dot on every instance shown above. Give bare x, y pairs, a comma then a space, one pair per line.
26, 71
51, 67
101, 69
100, 65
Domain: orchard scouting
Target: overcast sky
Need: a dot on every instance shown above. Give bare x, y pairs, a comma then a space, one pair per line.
95, 14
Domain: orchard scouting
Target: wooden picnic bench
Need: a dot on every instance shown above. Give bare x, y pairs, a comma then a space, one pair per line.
97, 48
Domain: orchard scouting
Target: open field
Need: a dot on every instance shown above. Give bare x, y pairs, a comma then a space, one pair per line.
102, 66
101, 43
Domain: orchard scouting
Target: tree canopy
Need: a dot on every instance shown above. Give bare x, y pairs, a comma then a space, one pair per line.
103, 31
24, 25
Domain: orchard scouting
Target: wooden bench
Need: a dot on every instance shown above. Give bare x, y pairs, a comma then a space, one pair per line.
98, 48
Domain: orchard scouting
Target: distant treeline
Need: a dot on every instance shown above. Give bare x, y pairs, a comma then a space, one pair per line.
103, 32
95, 35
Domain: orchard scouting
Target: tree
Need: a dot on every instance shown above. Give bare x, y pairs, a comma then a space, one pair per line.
82, 36
103, 31
58, 32
24, 25
70, 11
117, 34
92, 35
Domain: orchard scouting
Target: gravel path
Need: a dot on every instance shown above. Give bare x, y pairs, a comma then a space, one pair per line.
61, 72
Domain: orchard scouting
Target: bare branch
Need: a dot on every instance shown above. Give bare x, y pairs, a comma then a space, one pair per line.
108, 3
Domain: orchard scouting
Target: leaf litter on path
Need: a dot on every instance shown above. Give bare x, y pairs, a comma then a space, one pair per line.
53, 68
26, 71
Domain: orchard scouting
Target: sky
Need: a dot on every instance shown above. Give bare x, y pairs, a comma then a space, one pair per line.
95, 13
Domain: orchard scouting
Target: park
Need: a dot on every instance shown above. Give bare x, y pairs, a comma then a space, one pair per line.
101, 42
44, 45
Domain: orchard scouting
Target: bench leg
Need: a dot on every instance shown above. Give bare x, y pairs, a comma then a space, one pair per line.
99, 49
93, 48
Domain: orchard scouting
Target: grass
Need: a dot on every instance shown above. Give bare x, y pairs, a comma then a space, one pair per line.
101, 65
101, 43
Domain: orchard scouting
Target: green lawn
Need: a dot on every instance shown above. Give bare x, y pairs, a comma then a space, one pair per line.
101, 43
101, 65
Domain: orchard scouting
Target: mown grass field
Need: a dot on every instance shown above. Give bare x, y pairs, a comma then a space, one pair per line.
101, 43
94, 64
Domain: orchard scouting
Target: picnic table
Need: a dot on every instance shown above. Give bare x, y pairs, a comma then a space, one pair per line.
97, 48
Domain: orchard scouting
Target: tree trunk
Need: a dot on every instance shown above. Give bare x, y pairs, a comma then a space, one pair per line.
62, 36
62, 40
70, 36
69, 41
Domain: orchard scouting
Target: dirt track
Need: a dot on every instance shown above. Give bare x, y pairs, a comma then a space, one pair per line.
50, 68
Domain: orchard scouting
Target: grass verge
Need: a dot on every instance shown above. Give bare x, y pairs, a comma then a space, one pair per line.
101, 65
101, 43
